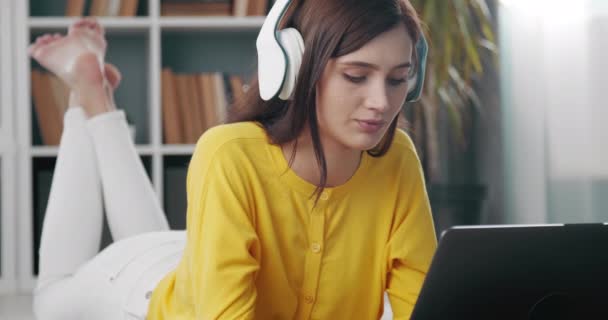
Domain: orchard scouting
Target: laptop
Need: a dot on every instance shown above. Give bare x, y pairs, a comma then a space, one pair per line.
527, 272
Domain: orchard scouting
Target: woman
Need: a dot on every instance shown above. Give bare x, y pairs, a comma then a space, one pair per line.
309, 208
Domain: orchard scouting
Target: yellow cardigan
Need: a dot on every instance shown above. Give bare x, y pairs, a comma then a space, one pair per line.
257, 248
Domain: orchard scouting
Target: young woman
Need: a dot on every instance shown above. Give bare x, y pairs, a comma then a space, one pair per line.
309, 208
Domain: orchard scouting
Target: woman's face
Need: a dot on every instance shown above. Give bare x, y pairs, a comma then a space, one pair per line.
359, 94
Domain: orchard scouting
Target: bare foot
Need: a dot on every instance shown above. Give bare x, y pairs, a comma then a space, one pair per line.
76, 58
113, 76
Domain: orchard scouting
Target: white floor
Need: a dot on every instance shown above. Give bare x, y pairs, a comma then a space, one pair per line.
20, 308
16, 308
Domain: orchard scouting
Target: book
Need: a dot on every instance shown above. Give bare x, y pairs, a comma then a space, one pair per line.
98, 8
185, 108
128, 8
257, 7
171, 115
50, 121
74, 8
205, 82
113, 8
196, 9
200, 98
198, 115
239, 7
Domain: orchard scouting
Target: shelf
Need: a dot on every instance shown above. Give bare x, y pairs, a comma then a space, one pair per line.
177, 149
211, 23
168, 150
57, 8
111, 24
139, 24
51, 151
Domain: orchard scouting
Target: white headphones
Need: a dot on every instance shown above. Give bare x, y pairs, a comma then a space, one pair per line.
280, 56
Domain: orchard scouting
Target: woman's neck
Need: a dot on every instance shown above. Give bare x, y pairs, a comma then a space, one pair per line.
342, 163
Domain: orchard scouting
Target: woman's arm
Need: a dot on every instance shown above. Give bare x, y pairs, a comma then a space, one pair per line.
412, 244
223, 247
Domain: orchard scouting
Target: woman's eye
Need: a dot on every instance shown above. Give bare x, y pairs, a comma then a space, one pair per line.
354, 79
397, 82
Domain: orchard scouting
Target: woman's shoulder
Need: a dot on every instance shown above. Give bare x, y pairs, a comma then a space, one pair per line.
401, 157
402, 151
402, 142
234, 131
232, 134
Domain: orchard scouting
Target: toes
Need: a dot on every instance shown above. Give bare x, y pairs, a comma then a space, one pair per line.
40, 41
31, 49
43, 38
99, 28
79, 24
87, 24
94, 24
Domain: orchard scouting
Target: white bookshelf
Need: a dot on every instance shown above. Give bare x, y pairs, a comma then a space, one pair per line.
8, 272
111, 24
140, 46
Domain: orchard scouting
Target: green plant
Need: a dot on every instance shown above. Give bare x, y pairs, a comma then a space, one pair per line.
460, 35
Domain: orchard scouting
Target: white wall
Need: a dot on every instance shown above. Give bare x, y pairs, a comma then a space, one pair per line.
553, 86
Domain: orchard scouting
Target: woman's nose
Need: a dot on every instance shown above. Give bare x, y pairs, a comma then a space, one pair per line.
377, 97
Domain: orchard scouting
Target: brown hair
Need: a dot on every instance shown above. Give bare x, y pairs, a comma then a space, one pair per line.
330, 28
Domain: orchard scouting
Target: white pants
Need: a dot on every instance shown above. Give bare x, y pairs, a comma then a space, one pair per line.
75, 280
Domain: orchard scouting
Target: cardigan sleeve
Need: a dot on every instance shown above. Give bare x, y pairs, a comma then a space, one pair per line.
223, 248
412, 244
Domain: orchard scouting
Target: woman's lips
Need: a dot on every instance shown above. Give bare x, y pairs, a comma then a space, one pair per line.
370, 126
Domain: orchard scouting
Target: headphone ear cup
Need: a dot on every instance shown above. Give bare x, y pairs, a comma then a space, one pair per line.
415, 92
292, 42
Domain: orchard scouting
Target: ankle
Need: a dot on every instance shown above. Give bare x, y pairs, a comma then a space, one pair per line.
95, 100
87, 72
74, 100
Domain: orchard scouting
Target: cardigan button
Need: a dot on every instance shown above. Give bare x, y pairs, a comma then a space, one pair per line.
309, 299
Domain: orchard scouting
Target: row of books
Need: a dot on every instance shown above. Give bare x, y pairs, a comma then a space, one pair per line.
236, 8
128, 8
112, 8
193, 103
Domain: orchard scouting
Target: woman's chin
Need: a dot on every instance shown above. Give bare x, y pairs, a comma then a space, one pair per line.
363, 143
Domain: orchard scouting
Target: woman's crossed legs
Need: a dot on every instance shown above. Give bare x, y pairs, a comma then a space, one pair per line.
96, 155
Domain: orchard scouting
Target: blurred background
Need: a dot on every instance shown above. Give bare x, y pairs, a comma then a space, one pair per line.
510, 129
530, 145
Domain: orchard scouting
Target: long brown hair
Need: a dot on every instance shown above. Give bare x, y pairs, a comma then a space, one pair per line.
330, 28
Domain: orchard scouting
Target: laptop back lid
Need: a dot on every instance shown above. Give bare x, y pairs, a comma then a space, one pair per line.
518, 272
